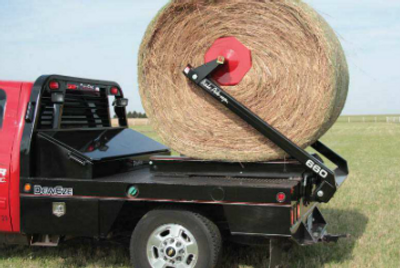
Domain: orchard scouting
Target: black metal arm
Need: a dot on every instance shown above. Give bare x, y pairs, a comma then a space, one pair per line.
327, 181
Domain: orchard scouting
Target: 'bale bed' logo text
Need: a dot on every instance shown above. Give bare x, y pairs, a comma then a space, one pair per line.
214, 90
58, 190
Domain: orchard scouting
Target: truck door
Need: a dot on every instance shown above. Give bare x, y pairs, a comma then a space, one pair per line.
9, 96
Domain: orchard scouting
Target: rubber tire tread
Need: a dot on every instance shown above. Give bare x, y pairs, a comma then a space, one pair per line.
212, 234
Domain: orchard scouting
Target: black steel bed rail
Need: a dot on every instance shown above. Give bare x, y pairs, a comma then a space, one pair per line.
327, 180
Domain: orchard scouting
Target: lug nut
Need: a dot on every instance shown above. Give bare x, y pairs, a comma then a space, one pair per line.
178, 244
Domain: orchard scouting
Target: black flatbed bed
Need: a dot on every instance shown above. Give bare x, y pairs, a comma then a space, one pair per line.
181, 187
146, 176
90, 181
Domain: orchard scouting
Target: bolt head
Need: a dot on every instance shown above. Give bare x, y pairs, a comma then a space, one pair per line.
195, 76
320, 193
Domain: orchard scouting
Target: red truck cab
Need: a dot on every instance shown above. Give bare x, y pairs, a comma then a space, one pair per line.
14, 97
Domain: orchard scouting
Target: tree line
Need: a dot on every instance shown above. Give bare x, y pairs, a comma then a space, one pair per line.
135, 115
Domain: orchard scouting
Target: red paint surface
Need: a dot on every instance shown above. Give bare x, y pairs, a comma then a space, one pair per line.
114, 91
238, 60
72, 87
10, 140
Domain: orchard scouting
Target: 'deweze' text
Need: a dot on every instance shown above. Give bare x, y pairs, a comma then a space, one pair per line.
58, 190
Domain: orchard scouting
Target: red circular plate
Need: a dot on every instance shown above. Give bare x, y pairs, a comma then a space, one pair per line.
238, 61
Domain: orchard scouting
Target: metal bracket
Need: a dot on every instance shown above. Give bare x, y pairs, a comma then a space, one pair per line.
275, 253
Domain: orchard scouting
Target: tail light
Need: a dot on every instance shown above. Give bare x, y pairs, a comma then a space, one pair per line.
114, 91
54, 85
72, 87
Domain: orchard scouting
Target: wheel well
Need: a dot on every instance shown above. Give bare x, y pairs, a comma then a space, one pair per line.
132, 213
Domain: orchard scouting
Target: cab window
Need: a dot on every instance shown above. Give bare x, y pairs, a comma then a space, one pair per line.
3, 99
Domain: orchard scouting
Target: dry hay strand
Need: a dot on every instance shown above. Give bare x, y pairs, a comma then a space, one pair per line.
298, 82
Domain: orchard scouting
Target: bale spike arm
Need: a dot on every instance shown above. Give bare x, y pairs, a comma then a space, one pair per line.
327, 181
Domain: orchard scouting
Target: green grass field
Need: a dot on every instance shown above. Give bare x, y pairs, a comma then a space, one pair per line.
367, 207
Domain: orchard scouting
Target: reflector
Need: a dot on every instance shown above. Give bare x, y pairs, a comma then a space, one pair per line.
27, 187
281, 197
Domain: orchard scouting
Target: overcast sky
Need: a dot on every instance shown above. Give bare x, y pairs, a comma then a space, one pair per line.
100, 39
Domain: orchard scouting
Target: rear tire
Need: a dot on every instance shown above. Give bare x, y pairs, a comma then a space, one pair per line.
171, 237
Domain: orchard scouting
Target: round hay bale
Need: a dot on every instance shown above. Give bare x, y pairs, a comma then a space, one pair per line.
298, 82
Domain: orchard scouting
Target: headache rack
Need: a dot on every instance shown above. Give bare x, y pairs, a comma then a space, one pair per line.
65, 109
80, 110
325, 180
73, 103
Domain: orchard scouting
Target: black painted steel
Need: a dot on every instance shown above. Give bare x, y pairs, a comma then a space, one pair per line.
105, 144
81, 217
100, 165
327, 183
260, 221
175, 188
40, 93
255, 197
89, 154
278, 169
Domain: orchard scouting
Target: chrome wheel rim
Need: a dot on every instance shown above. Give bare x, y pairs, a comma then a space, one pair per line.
172, 246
